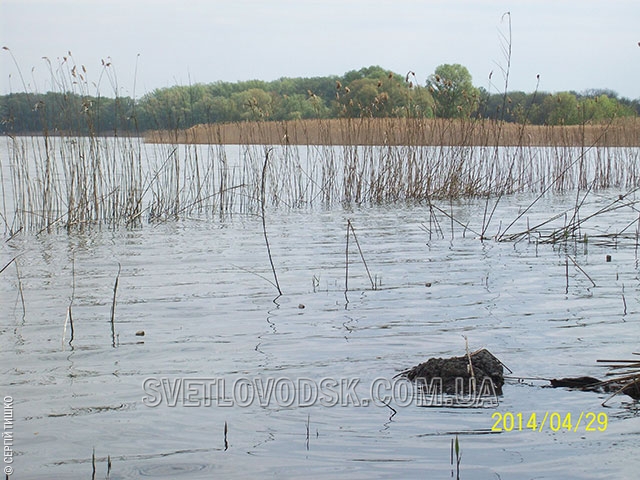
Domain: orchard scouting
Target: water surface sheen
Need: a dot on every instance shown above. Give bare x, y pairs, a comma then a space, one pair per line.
199, 291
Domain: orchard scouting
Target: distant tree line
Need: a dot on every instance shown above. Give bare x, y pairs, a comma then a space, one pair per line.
368, 92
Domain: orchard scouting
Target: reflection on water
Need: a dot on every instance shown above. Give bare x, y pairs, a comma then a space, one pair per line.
200, 291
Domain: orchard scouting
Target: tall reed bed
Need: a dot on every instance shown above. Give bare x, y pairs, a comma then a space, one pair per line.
77, 182
622, 132
61, 181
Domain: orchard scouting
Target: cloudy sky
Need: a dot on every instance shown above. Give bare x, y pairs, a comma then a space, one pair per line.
572, 45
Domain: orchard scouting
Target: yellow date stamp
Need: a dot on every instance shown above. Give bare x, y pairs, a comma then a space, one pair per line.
549, 421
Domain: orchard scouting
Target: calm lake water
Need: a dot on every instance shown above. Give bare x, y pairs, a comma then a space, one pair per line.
200, 291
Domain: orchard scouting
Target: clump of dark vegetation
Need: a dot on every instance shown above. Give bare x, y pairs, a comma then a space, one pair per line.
478, 367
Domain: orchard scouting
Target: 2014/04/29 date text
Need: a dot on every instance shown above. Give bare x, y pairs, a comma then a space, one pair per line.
553, 421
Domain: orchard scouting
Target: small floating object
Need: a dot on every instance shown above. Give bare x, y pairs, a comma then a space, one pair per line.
428, 284
301, 306
140, 333
584, 383
590, 384
608, 258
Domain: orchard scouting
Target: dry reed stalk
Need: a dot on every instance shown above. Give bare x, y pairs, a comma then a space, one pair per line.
113, 307
69, 312
355, 237
20, 289
346, 264
264, 221
581, 270
7, 264
470, 366
93, 464
66, 322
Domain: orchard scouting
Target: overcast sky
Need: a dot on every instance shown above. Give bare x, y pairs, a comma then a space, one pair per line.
573, 45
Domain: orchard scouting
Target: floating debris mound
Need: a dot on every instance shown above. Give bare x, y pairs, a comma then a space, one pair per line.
457, 372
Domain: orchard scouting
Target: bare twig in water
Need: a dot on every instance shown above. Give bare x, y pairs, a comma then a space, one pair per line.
24, 308
355, 237
73, 295
93, 464
346, 264
454, 220
264, 221
69, 317
388, 405
226, 442
7, 265
583, 272
14, 261
471, 372
506, 45
113, 307
254, 273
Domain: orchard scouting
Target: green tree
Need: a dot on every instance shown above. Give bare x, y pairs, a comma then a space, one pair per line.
420, 103
254, 104
360, 97
453, 91
602, 108
562, 109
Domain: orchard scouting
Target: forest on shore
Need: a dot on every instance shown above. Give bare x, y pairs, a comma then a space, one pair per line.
371, 92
